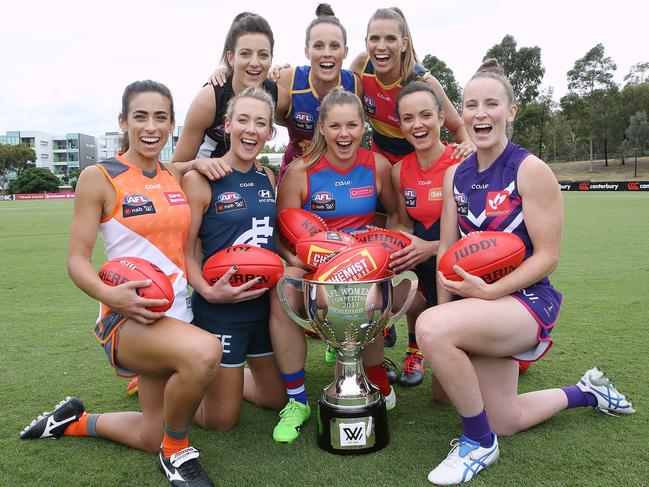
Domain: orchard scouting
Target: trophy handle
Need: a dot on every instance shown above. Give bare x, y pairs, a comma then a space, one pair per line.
414, 282
299, 285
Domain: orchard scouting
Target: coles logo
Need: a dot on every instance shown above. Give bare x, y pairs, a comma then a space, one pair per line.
633, 187
584, 187
497, 203
135, 199
228, 197
303, 117
322, 197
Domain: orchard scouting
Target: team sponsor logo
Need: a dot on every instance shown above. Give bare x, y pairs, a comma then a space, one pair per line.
136, 205
353, 434
369, 105
323, 201
462, 203
265, 195
410, 195
393, 118
175, 198
246, 185
497, 203
479, 186
229, 201
343, 183
303, 121
384, 97
434, 194
361, 192
152, 186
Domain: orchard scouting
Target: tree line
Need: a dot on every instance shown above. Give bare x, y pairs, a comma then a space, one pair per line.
596, 119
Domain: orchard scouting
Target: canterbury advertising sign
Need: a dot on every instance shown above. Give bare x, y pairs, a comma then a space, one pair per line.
604, 186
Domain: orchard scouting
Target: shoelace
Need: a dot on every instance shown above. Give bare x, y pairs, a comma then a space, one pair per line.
389, 364
291, 412
452, 459
412, 362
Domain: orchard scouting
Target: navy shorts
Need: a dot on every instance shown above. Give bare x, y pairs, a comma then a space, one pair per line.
107, 332
240, 339
427, 285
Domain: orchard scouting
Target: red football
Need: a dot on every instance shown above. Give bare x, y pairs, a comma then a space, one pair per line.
314, 249
489, 255
391, 240
358, 263
294, 223
125, 269
252, 262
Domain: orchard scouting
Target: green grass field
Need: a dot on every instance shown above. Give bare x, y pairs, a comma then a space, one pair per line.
47, 351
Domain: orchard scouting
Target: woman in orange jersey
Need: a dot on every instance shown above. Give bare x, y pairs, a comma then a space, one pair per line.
175, 360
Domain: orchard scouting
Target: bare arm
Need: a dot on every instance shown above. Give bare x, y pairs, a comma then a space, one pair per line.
358, 63
95, 198
199, 117
291, 194
283, 95
449, 232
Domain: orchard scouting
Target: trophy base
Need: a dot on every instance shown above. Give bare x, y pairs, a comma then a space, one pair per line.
353, 431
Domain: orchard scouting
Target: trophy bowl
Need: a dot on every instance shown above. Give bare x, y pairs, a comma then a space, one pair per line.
348, 316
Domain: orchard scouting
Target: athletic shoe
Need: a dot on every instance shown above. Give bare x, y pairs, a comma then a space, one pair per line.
412, 373
609, 400
291, 419
391, 400
464, 461
390, 369
52, 424
132, 387
330, 355
183, 469
390, 336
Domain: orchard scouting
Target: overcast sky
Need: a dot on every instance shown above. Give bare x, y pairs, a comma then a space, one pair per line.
65, 63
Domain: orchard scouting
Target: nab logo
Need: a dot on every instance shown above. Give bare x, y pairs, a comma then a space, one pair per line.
303, 117
497, 203
228, 197
322, 197
135, 199
353, 434
265, 193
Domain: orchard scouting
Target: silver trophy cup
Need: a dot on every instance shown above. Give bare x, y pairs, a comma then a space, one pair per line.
348, 316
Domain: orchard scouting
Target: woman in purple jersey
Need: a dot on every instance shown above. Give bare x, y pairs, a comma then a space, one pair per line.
502, 187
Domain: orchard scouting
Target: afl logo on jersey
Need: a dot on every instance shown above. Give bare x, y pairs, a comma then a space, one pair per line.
303, 117
229, 201
410, 195
462, 203
369, 105
323, 201
137, 204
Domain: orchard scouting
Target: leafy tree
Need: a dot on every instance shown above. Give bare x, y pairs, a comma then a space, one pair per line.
637, 74
366, 141
637, 136
523, 67
14, 158
35, 180
591, 82
445, 76
266, 162
532, 124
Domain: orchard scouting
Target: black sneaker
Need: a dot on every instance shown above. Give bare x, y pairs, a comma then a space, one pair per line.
390, 336
183, 469
390, 369
413, 370
53, 424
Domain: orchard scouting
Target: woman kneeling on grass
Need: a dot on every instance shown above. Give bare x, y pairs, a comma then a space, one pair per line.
175, 360
472, 344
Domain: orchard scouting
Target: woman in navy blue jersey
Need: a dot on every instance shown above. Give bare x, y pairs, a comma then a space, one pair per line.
238, 316
473, 344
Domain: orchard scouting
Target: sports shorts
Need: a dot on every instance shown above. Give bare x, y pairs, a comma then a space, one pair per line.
240, 339
107, 332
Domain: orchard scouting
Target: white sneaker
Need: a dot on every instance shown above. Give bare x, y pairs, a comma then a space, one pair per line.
609, 400
464, 461
391, 400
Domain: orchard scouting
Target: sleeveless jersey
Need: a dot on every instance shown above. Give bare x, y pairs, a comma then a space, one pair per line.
345, 200
380, 103
422, 191
304, 110
150, 220
242, 211
489, 200
215, 141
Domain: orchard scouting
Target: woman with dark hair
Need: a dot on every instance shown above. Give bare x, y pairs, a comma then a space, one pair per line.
473, 344
175, 360
247, 57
